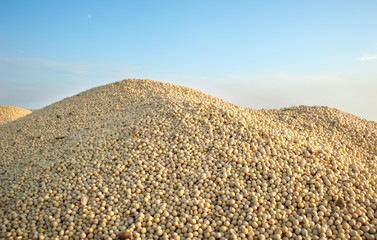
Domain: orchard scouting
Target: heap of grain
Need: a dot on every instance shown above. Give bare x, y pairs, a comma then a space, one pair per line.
10, 113
146, 160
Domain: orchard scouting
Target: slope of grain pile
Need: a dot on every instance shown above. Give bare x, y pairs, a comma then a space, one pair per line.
147, 160
10, 113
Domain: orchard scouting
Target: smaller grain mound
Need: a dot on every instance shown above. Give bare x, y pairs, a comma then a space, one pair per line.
10, 113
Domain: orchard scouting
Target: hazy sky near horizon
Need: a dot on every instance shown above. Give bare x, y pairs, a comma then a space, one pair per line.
258, 54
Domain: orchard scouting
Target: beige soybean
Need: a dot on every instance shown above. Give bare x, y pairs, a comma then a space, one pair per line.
139, 159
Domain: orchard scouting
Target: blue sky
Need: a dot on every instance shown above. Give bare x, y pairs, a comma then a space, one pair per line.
258, 54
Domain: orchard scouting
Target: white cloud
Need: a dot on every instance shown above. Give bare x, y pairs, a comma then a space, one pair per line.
40, 64
367, 57
305, 79
36, 82
348, 93
33, 65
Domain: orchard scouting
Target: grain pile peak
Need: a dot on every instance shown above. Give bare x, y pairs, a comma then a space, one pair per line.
139, 159
11, 113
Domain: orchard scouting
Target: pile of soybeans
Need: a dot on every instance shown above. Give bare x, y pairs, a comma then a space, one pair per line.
139, 159
10, 113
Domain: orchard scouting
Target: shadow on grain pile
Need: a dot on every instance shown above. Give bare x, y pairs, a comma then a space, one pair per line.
147, 160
